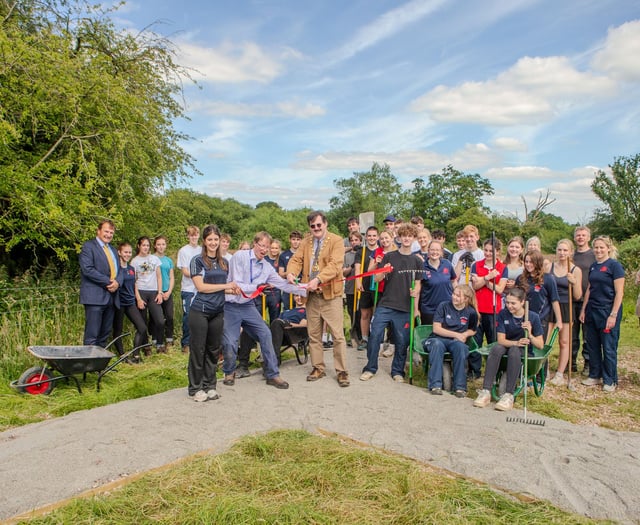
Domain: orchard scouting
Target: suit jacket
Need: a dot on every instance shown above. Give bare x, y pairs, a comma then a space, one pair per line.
330, 262
95, 275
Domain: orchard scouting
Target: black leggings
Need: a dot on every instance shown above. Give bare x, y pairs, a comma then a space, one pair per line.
155, 313
514, 362
134, 315
204, 349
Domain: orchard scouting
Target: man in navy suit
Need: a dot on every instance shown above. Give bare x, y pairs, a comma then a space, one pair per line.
100, 279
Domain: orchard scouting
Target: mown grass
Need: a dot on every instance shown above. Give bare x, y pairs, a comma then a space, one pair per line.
158, 373
293, 477
42, 314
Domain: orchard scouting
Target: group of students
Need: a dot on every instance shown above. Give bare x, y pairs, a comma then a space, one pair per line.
146, 295
476, 292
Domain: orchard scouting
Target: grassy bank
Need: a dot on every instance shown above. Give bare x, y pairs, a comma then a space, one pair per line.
292, 477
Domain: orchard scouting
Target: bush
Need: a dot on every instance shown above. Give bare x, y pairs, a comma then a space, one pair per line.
629, 254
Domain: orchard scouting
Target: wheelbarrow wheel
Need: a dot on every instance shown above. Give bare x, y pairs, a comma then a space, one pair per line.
35, 375
302, 351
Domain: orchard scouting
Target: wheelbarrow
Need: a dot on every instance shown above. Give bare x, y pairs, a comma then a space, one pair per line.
536, 369
68, 361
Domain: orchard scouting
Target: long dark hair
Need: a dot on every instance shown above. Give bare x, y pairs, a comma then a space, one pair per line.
537, 275
208, 261
143, 238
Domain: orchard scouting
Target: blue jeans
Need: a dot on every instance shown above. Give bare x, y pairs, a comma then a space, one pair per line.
246, 316
603, 348
187, 299
399, 322
437, 346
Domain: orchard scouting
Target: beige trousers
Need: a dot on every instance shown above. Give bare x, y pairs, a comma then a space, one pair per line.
319, 311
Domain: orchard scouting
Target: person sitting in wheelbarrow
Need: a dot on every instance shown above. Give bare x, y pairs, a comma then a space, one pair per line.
453, 323
289, 326
515, 333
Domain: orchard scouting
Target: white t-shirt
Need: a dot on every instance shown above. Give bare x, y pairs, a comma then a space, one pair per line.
146, 276
185, 254
478, 255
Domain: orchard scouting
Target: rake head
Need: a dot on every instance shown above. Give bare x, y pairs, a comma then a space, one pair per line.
526, 421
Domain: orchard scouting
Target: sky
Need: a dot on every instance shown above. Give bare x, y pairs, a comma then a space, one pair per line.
533, 95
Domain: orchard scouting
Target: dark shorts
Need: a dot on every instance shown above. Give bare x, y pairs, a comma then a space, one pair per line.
366, 300
564, 311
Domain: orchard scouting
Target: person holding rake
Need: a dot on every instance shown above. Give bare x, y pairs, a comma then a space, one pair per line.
515, 334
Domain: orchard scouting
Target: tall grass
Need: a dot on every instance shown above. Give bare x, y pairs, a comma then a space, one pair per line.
36, 315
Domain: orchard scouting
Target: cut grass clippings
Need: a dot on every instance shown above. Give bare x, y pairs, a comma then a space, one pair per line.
293, 477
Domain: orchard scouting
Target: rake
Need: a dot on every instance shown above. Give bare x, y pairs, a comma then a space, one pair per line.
411, 327
525, 420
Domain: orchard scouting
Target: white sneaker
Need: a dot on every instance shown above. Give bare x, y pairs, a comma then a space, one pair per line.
609, 389
212, 394
200, 396
505, 403
591, 381
398, 378
483, 399
366, 375
558, 379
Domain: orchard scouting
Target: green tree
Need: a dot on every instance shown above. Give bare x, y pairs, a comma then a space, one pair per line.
376, 190
278, 222
476, 216
86, 125
171, 212
620, 194
448, 195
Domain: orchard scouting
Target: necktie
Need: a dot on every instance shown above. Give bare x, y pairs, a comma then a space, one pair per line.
315, 268
112, 265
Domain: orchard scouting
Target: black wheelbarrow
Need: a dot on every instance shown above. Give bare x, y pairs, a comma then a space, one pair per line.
68, 361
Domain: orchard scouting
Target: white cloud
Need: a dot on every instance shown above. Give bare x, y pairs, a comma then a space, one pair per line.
531, 92
571, 190
290, 108
229, 63
509, 144
386, 26
251, 192
619, 55
514, 173
408, 162
220, 143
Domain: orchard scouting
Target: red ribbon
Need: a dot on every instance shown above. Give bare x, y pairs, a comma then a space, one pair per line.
262, 287
255, 294
384, 269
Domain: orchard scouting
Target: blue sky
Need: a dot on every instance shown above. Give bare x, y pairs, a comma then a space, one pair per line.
532, 95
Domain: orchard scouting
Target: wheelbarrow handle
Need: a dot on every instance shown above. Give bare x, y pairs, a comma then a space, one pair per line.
116, 339
117, 362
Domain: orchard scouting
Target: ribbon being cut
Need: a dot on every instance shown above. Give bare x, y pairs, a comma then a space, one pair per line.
384, 269
263, 287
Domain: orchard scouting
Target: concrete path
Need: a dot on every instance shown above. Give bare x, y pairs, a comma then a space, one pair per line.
589, 470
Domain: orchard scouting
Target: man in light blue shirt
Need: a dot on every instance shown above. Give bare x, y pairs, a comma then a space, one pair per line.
249, 270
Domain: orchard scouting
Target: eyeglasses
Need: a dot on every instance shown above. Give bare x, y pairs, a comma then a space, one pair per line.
316, 226
265, 248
